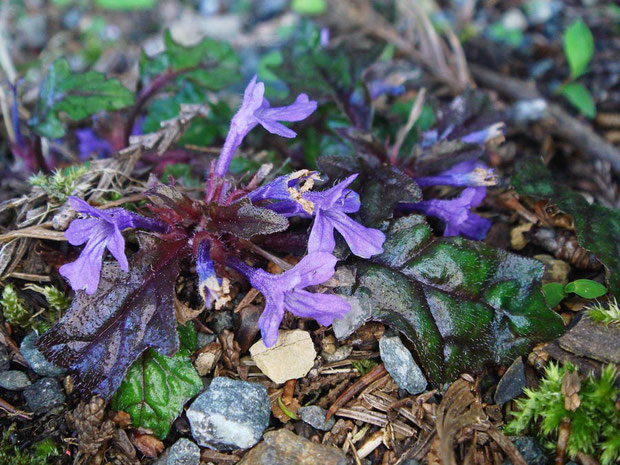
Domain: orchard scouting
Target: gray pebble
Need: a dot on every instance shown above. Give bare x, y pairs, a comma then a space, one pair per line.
44, 395
315, 417
230, 414
14, 380
182, 452
36, 360
400, 364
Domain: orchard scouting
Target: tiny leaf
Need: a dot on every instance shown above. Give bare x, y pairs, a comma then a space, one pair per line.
554, 293
580, 97
586, 288
102, 334
77, 95
578, 47
156, 388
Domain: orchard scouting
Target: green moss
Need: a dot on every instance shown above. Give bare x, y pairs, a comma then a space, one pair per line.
38, 454
595, 424
607, 315
13, 308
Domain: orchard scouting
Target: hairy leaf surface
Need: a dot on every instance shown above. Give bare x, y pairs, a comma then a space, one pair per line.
156, 386
462, 304
102, 334
77, 95
597, 227
244, 220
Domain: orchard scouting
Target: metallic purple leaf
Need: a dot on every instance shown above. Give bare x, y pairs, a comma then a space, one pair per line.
102, 334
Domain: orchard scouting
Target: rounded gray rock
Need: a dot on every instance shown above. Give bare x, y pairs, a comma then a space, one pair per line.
400, 364
14, 380
182, 452
315, 417
230, 414
44, 395
36, 360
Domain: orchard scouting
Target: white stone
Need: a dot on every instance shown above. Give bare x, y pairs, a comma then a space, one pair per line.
292, 357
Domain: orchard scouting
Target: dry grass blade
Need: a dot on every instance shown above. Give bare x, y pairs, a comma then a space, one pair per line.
445, 60
375, 418
366, 380
35, 232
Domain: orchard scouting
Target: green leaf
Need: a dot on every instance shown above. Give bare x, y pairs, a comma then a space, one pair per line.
554, 293
77, 95
597, 227
188, 339
586, 288
309, 7
209, 63
462, 304
578, 47
155, 389
580, 97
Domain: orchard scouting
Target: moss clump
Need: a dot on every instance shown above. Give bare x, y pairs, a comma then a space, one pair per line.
595, 423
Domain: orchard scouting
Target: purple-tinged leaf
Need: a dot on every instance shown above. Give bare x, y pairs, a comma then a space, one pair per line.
102, 334
244, 220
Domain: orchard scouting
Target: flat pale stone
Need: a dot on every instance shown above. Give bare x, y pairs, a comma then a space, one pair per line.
291, 357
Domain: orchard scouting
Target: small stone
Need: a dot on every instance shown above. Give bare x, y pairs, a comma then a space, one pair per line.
525, 111
514, 19
340, 354
530, 449
400, 364
284, 447
315, 417
44, 395
182, 452
593, 340
291, 357
352, 320
5, 362
36, 360
230, 414
222, 320
202, 339
14, 380
541, 11
512, 383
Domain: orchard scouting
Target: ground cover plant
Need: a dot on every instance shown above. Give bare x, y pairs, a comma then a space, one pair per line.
187, 238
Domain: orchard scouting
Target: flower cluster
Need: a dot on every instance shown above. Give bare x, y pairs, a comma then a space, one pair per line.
331, 210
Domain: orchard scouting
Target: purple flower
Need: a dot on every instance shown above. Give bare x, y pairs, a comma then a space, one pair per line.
469, 173
255, 109
286, 292
324, 37
455, 213
329, 208
212, 288
431, 137
90, 143
102, 230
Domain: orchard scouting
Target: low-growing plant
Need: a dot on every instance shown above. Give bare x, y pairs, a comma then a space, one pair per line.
607, 314
594, 419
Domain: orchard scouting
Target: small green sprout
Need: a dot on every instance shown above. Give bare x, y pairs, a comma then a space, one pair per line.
578, 48
607, 315
56, 299
556, 292
60, 184
13, 308
363, 365
594, 419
